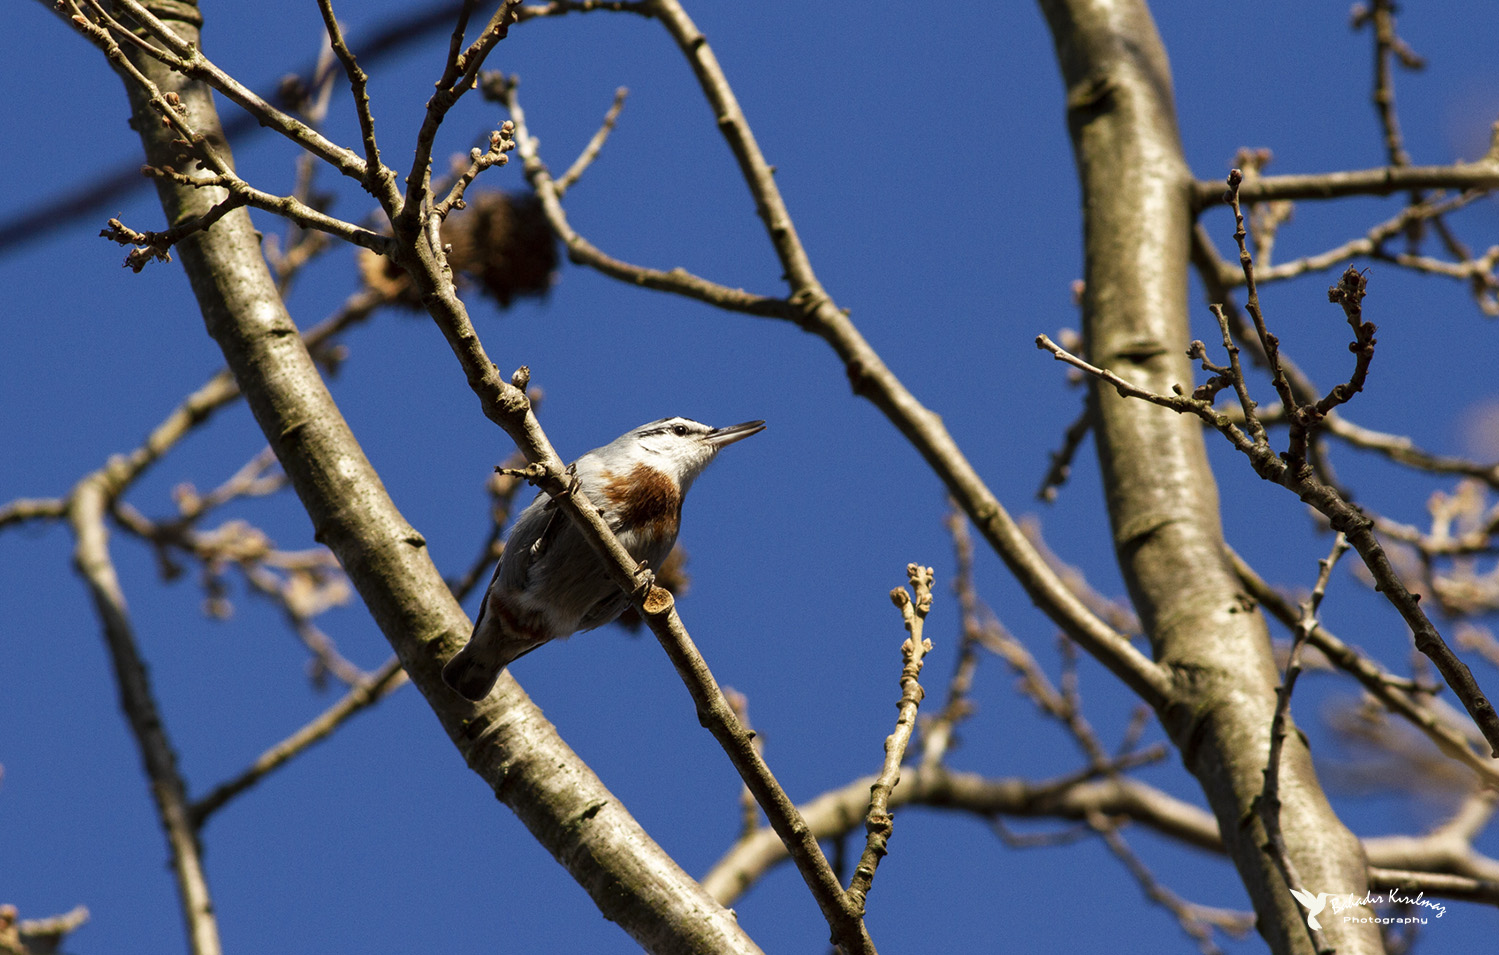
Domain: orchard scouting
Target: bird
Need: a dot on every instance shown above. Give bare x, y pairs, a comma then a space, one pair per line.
1314, 906
549, 582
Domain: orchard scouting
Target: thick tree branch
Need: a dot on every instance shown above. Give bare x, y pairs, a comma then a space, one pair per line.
506, 404
1162, 498
506, 740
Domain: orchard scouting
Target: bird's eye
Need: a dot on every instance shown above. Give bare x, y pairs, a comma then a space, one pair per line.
680, 430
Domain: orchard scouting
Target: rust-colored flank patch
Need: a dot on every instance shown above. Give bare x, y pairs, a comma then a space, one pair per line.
646, 500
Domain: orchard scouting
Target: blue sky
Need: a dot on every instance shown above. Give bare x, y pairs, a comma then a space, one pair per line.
924, 157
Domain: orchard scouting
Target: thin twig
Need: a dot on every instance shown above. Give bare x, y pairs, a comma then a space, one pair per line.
501, 141
373, 688
1369, 245
937, 732
1061, 459
839, 811
458, 78
1267, 805
377, 177
1398, 694
678, 281
749, 809
24, 509
879, 824
1382, 16
595, 145
187, 59
1196, 920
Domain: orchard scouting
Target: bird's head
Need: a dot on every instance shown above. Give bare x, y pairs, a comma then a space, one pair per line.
679, 447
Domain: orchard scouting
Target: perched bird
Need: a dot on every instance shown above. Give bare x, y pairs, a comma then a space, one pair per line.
549, 582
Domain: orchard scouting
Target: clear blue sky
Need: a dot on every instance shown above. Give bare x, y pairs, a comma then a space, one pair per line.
924, 156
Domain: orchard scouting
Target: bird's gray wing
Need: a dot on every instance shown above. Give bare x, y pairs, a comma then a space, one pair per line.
532, 532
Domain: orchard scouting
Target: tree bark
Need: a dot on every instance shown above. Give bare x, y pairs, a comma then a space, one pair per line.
505, 740
1161, 496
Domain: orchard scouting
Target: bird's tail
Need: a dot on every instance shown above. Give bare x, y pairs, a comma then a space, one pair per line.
473, 671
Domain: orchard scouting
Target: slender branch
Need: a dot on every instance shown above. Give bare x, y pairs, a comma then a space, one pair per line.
1402, 450
810, 307
557, 8
842, 810
583, 252
1399, 695
24, 509
1126, 389
288, 207
1061, 459
1268, 342
595, 145
453, 66
749, 809
36, 936
379, 179
185, 58
88, 502
458, 78
1369, 245
501, 141
937, 732
367, 692
1462, 176
1196, 920
155, 246
1268, 804
1382, 17
837, 812
879, 824
1463, 888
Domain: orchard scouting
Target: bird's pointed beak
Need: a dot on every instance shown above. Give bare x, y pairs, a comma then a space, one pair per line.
719, 437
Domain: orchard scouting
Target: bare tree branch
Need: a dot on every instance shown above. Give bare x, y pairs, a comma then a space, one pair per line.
1483, 174
506, 740
91, 555
879, 824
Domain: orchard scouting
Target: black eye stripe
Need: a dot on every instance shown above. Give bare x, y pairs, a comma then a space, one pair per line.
680, 430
